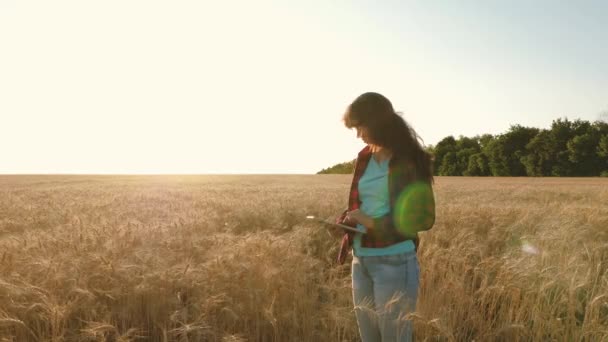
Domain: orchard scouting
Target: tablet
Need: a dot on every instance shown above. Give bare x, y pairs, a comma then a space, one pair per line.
343, 226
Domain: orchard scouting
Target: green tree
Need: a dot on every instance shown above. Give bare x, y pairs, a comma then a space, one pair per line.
495, 152
562, 130
466, 143
478, 165
465, 148
463, 158
506, 151
602, 152
484, 140
515, 142
538, 159
445, 146
583, 154
602, 148
449, 165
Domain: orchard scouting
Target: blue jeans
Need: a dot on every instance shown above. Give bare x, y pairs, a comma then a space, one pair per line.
385, 289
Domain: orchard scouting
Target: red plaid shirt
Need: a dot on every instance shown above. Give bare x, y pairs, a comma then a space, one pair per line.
384, 233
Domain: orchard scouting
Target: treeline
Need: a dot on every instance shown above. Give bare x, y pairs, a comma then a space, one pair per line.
568, 149
346, 167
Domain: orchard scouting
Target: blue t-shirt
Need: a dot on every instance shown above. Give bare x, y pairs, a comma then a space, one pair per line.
374, 196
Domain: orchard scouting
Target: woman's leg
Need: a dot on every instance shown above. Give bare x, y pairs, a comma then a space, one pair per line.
363, 298
395, 279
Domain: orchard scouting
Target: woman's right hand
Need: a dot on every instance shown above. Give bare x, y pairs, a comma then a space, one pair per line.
338, 232
345, 219
349, 221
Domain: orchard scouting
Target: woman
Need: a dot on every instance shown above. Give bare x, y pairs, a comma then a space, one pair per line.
391, 199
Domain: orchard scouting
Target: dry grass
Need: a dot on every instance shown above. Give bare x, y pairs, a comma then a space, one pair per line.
231, 258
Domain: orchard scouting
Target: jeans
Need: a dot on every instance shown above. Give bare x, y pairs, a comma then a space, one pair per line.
385, 289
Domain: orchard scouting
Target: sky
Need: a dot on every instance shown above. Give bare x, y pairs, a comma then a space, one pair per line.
238, 87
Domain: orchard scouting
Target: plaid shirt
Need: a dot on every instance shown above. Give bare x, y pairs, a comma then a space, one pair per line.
385, 233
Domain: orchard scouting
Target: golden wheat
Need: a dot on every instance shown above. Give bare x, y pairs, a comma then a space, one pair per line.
232, 258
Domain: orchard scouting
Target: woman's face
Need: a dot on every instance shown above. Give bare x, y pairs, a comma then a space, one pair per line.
363, 133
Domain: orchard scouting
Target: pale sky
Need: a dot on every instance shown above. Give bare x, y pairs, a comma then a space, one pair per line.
260, 87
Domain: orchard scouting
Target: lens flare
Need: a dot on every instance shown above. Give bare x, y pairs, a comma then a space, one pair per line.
414, 208
528, 248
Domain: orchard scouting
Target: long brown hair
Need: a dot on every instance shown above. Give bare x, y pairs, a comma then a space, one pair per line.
388, 129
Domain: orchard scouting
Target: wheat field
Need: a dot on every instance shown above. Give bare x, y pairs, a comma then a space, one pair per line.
232, 258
